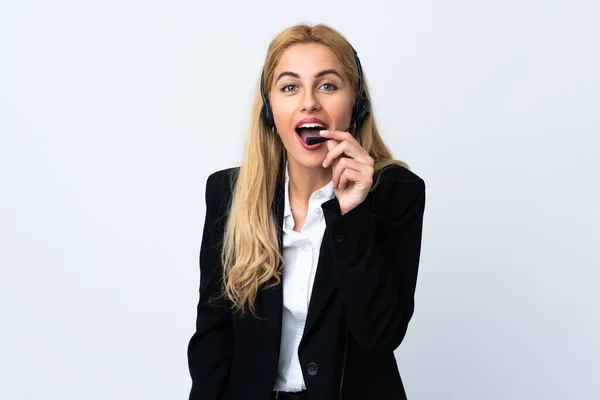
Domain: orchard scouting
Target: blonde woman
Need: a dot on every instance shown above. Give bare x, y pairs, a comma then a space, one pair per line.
310, 251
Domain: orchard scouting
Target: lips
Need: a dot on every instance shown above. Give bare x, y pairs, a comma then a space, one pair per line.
311, 121
310, 127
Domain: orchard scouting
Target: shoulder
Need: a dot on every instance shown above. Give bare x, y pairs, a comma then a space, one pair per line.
222, 177
397, 188
398, 176
220, 184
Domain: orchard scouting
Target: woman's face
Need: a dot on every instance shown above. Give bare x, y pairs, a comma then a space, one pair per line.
309, 84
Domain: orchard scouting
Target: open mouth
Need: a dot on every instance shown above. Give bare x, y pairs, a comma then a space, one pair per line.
310, 130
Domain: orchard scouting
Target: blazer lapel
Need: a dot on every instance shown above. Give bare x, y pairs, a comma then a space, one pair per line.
272, 298
323, 287
324, 284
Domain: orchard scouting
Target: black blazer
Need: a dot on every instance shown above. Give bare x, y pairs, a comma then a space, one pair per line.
360, 306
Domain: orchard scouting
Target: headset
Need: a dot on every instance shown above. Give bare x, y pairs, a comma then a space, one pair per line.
361, 107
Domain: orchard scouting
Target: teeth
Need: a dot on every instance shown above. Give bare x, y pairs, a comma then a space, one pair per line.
311, 125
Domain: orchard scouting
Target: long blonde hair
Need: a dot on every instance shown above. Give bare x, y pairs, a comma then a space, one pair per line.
251, 256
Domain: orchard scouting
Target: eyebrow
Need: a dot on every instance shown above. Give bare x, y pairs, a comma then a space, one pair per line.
320, 74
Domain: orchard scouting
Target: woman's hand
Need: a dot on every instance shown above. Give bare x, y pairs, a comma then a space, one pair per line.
352, 168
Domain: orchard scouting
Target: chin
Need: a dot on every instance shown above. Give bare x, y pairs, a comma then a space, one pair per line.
314, 160
317, 164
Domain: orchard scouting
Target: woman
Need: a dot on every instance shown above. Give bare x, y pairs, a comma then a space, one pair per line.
310, 253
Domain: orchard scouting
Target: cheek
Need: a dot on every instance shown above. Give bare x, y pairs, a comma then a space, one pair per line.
282, 110
341, 111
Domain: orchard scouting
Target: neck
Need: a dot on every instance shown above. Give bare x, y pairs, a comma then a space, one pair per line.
305, 181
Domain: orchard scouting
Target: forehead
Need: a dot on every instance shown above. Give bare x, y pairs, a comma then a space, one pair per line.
307, 59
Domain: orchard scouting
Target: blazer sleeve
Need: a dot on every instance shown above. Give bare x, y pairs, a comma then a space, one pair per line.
376, 270
210, 348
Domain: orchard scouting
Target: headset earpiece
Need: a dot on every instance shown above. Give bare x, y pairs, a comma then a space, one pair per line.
265, 111
365, 107
362, 105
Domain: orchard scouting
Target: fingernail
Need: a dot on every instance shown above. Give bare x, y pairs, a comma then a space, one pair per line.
324, 132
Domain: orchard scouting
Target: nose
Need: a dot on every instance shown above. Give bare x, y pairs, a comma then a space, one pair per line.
310, 101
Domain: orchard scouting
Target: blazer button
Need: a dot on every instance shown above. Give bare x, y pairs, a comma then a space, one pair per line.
339, 238
312, 368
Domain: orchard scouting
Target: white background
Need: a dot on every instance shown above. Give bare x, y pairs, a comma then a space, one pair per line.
113, 113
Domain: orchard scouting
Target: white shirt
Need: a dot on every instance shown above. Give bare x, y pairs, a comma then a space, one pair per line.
301, 255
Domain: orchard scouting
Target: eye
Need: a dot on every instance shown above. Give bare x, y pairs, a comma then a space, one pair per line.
283, 89
332, 87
